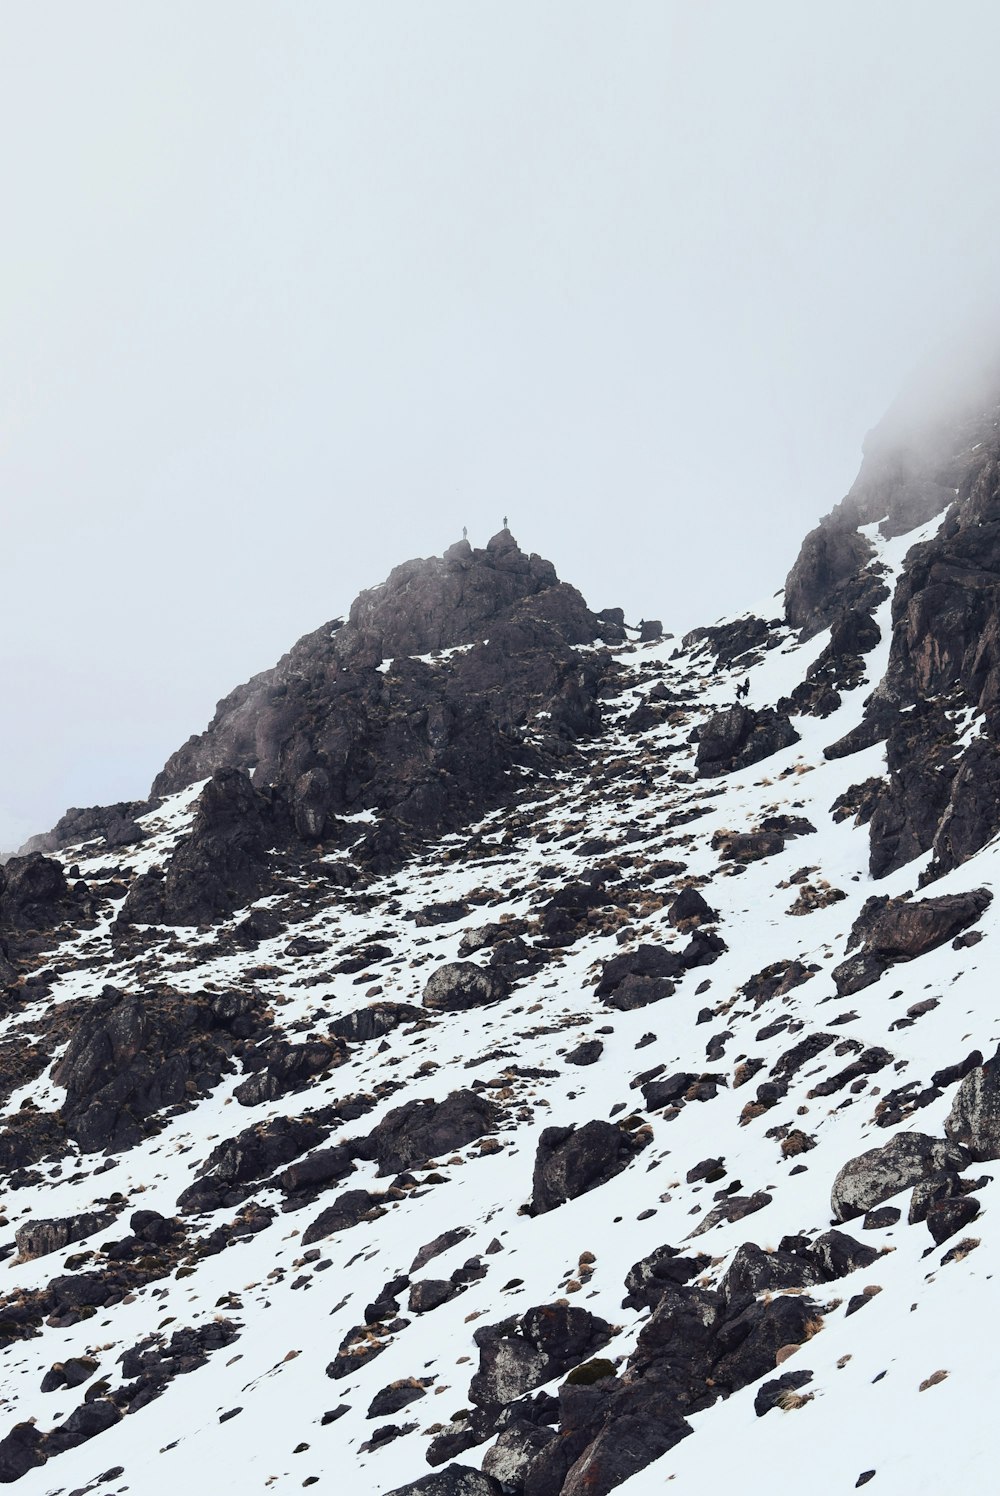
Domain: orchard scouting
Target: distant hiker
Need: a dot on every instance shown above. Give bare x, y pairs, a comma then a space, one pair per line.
465, 532
505, 521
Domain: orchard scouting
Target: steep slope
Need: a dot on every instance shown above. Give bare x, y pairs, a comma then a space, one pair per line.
604, 1125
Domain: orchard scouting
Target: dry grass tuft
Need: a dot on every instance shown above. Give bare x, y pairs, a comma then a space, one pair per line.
932, 1380
789, 1400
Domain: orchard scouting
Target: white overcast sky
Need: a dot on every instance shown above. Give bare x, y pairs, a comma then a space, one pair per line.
291, 292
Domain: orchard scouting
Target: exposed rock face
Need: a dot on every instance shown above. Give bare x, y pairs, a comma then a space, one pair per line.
458, 985
833, 571
930, 456
880, 1173
570, 1161
729, 642
740, 736
593, 866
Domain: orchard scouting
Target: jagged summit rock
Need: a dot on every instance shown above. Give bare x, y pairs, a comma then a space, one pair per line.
498, 595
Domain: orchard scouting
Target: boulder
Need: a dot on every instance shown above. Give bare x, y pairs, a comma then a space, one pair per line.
690, 905
278, 1068
772, 1392
753, 1271
523, 1352
642, 1423
974, 1120
33, 893
751, 1339
421, 1129
430, 1293
569, 1161
85, 1422
456, 1480
740, 736
22, 1450
891, 930
587, 1053
649, 961
253, 1154
373, 1022
512, 1454
875, 1176
396, 1396
648, 1279
349, 1209
38, 1238
459, 985
442, 1243
324, 1167
946, 1218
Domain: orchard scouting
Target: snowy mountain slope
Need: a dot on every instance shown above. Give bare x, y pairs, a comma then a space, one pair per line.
246, 1402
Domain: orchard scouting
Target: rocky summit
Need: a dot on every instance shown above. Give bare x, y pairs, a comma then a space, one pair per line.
513, 1052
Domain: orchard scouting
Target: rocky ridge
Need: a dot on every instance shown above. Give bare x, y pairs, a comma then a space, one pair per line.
487, 1066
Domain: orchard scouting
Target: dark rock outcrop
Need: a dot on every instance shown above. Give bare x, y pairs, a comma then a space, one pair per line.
131, 1057
569, 1161
347, 1211
220, 866
373, 1022
33, 893
253, 1154
37, 1238
419, 1130
740, 736
104, 823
